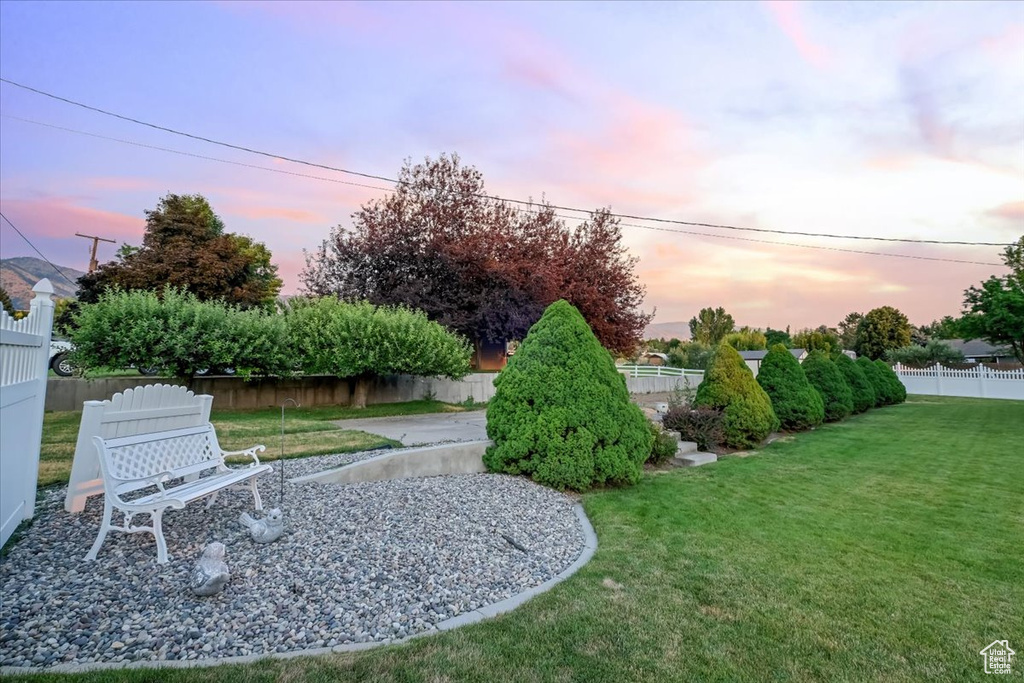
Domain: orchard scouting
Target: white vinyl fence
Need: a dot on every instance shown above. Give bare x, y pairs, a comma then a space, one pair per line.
977, 382
658, 371
24, 362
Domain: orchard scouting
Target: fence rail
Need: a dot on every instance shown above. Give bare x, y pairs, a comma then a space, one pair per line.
24, 356
978, 382
657, 371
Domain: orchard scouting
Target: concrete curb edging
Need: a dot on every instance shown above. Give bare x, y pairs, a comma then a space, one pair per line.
464, 619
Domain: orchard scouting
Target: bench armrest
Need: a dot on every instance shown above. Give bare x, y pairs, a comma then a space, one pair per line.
251, 452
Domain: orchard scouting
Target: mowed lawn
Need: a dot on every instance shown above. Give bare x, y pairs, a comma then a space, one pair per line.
889, 547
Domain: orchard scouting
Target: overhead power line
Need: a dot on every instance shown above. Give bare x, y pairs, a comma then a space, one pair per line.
41, 255
532, 209
372, 176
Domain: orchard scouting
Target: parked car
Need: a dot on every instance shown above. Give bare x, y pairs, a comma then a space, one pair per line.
60, 364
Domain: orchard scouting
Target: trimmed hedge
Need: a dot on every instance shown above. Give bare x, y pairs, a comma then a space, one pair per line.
561, 411
863, 391
824, 376
876, 379
747, 414
897, 392
797, 404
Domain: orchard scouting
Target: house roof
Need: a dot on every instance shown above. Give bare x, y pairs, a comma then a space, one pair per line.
759, 355
976, 347
663, 356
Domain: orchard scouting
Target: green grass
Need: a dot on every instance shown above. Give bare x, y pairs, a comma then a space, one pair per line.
308, 431
889, 547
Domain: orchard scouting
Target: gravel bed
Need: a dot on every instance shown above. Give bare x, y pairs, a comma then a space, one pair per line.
359, 562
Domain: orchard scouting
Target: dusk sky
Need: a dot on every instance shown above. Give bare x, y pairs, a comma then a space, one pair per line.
889, 119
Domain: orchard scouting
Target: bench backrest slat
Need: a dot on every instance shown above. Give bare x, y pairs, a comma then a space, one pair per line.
182, 451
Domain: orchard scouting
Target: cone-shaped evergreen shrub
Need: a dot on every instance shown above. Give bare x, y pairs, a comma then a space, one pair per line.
876, 379
747, 415
863, 391
897, 392
830, 383
797, 404
561, 411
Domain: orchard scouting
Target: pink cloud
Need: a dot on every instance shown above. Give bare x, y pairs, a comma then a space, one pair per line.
260, 213
1011, 211
790, 19
58, 217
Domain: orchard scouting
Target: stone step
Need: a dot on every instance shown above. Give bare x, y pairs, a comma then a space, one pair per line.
686, 447
694, 459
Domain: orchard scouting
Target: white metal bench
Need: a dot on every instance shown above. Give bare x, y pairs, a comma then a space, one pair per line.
134, 464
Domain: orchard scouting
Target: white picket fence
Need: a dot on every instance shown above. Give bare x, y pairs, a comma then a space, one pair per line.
978, 382
24, 362
658, 371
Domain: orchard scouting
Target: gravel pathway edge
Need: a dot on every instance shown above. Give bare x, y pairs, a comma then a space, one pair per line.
464, 619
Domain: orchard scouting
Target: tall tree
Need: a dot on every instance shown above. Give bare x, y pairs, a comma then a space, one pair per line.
773, 337
995, 310
847, 329
185, 246
820, 339
746, 339
882, 329
710, 326
477, 265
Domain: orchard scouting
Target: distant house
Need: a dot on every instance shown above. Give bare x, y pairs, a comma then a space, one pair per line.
753, 358
653, 358
978, 351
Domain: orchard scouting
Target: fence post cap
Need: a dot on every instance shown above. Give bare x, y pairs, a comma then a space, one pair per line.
43, 288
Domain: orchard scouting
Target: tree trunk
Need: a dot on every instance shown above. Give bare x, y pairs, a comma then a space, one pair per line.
360, 392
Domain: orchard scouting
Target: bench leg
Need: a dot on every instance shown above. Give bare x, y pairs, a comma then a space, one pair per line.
158, 531
211, 500
104, 529
256, 494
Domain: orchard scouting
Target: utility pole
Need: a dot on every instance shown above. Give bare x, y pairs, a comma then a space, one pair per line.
95, 243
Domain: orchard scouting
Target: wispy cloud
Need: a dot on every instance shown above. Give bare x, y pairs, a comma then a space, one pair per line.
790, 18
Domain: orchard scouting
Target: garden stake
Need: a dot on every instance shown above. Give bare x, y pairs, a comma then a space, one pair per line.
280, 500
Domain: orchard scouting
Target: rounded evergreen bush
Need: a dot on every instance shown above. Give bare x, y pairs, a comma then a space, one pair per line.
797, 404
863, 391
824, 376
897, 392
875, 378
561, 411
729, 386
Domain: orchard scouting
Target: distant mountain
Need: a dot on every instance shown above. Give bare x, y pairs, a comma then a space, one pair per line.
677, 330
19, 275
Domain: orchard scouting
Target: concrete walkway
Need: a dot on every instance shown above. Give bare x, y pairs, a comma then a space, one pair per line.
418, 430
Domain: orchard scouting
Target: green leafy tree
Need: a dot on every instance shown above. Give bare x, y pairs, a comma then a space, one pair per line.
746, 339
561, 412
797, 404
995, 310
934, 351
824, 376
882, 329
895, 391
947, 327
185, 246
860, 385
362, 341
820, 339
711, 325
874, 376
177, 333
729, 386
773, 337
5, 302
847, 329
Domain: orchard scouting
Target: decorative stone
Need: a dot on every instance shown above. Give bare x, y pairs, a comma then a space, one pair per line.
266, 530
210, 574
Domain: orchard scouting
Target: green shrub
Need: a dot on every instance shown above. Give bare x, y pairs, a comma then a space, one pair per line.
830, 383
860, 385
664, 445
561, 411
897, 393
176, 333
703, 426
934, 352
747, 415
797, 404
876, 379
